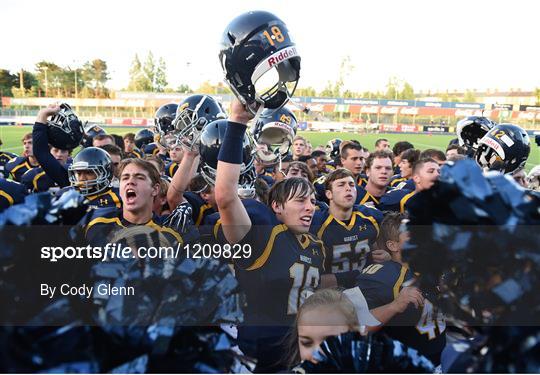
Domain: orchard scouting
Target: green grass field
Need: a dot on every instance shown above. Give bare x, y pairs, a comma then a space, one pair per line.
11, 138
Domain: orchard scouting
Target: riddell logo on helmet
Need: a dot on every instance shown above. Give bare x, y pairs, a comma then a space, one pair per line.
282, 56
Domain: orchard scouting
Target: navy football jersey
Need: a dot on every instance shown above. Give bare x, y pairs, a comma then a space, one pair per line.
422, 328
152, 149
361, 180
320, 193
135, 153
10, 193
171, 168
395, 180
104, 225
107, 198
5, 157
364, 197
347, 243
395, 200
201, 209
17, 167
409, 184
37, 181
281, 270
267, 177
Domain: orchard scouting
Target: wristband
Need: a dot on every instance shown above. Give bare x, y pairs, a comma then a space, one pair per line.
233, 143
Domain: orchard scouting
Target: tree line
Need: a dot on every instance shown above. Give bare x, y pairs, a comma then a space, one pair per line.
150, 75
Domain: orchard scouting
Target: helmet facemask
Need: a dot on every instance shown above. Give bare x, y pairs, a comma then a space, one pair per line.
62, 118
471, 131
246, 182
188, 124
274, 83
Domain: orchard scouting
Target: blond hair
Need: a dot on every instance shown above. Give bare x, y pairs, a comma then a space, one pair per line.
323, 298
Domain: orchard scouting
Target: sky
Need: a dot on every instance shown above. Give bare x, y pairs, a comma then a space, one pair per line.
432, 44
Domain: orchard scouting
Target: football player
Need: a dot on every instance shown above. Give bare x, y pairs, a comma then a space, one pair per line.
352, 159
156, 149
437, 155
379, 171
311, 164
382, 144
398, 148
424, 174
11, 193
347, 231
298, 147
201, 192
102, 140
91, 171
286, 260
92, 174
175, 153
407, 160
129, 146
454, 149
5, 157
418, 325
320, 158
36, 180
139, 185
141, 139
20, 165
298, 169
116, 155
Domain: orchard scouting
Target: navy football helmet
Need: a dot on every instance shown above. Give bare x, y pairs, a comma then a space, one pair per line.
210, 143
90, 131
99, 162
192, 115
65, 130
260, 60
332, 148
276, 129
143, 138
471, 129
163, 122
504, 148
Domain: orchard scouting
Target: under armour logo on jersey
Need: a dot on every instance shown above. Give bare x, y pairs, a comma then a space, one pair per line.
362, 227
102, 201
315, 252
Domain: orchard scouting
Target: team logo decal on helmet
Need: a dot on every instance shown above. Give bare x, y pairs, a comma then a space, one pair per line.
260, 60
91, 131
97, 161
504, 148
276, 129
65, 130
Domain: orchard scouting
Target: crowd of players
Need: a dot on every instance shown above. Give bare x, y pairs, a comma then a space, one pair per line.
316, 218
324, 223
